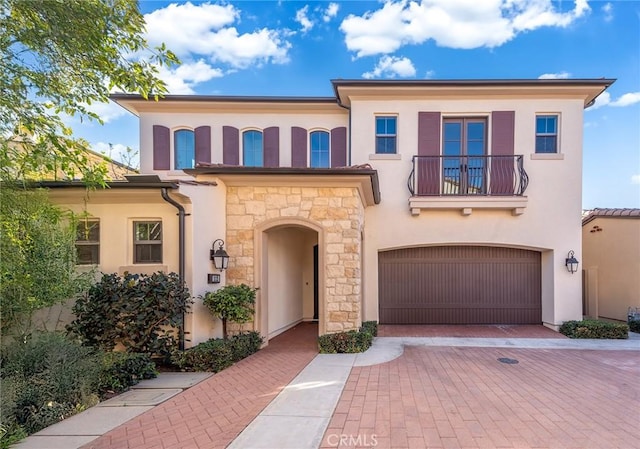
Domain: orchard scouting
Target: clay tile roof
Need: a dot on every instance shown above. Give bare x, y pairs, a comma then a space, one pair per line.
615, 213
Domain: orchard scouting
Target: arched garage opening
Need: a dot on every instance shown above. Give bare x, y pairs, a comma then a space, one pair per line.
459, 285
289, 286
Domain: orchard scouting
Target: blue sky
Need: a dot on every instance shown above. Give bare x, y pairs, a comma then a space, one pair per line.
296, 47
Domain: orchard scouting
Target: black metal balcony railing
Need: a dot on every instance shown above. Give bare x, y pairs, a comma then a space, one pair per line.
468, 176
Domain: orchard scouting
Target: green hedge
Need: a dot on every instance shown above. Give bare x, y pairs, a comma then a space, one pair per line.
49, 378
371, 327
121, 370
217, 354
349, 342
594, 329
634, 326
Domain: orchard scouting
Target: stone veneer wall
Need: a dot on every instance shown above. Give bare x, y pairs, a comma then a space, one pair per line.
338, 211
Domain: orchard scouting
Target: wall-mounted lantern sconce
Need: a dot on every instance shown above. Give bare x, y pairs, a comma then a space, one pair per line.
571, 263
219, 256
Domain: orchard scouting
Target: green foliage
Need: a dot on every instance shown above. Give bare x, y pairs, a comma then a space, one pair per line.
634, 326
594, 329
140, 312
45, 379
37, 257
217, 354
371, 327
346, 342
121, 370
57, 58
231, 303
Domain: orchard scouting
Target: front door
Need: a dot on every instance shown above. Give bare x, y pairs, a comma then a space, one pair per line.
464, 152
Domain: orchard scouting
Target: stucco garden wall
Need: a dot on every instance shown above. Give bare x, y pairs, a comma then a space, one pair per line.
338, 216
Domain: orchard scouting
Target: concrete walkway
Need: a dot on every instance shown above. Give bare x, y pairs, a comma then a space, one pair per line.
74, 432
287, 396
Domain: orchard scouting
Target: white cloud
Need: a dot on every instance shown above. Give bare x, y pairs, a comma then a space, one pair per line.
207, 31
303, 19
390, 67
330, 12
108, 112
430, 74
635, 179
182, 80
627, 99
455, 24
607, 9
117, 152
555, 76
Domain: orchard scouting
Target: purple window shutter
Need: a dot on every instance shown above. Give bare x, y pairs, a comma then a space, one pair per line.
339, 147
428, 169
161, 148
298, 147
202, 137
230, 145
502, 150
272, 147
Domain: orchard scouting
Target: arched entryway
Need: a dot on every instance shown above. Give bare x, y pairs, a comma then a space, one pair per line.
289, 275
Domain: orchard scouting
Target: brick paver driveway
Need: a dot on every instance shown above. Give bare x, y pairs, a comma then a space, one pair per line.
214, 412
449, 397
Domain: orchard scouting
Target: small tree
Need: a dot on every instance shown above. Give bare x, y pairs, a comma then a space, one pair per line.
37, 257
231, 303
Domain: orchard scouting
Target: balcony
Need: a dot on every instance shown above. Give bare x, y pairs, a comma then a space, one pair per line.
467, 183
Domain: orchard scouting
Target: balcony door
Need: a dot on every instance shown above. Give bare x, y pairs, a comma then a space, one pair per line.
464, 150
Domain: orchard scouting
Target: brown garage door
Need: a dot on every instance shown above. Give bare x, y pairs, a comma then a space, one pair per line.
459, 285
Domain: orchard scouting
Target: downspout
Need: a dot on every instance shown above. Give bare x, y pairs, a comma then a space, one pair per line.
181, 247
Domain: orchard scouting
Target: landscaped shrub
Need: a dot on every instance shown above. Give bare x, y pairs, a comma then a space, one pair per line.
594, 329
634, 326
121, 370
231, 303
345, 342
371, 327
139, 311
44, 380
217, 354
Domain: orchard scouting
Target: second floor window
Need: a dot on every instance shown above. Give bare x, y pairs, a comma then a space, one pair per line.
147, 242
88, 241
184, 148
252, 149
386, 134
319, 149
546, 134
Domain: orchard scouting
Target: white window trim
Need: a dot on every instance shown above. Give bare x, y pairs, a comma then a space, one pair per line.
131, 241
241, 144
172, 145
312, 130
558, 137
88, 243
373, 156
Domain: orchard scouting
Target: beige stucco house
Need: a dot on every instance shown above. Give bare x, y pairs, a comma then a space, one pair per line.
611, 262
397, 201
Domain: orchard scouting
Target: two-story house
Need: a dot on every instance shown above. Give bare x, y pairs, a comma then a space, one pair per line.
424, 201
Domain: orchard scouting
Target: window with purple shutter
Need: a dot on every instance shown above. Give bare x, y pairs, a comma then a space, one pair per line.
230, 145
272, 147
298, 147
428, 169
502, 151
339, 147
202, 145
161, 148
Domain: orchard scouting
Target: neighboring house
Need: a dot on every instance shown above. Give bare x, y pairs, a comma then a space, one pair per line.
611, 262
397, 201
